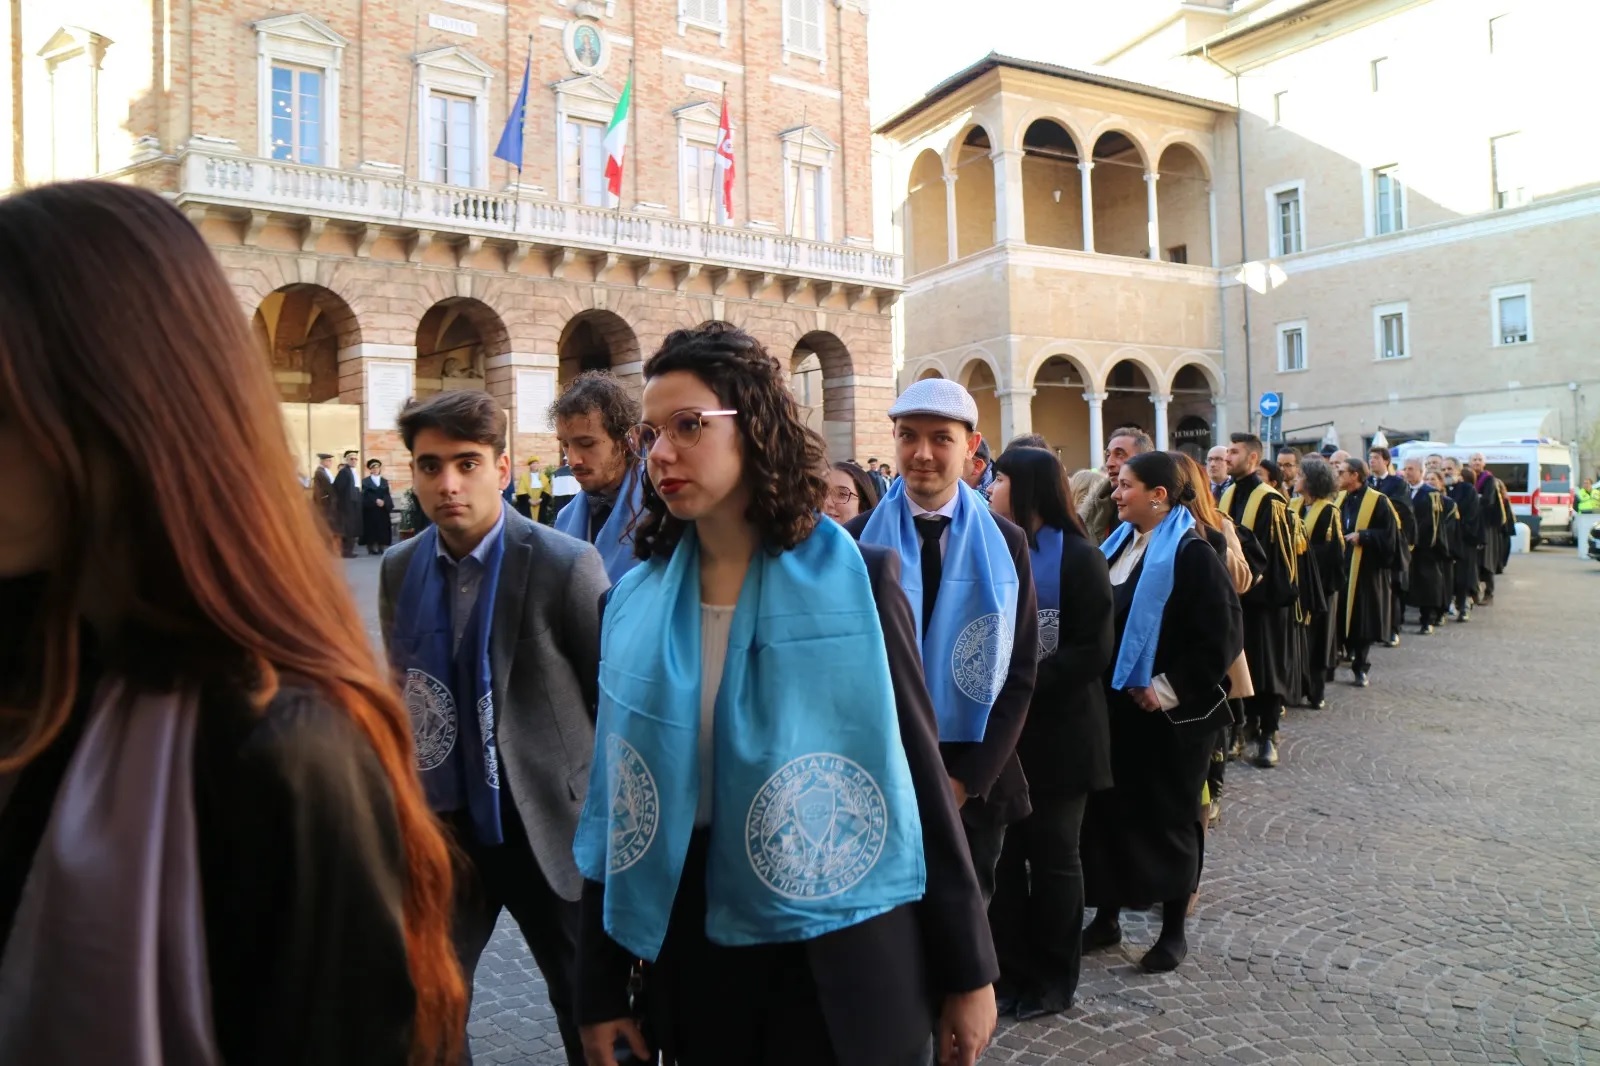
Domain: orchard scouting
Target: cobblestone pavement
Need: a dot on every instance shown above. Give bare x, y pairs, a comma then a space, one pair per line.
1419, 881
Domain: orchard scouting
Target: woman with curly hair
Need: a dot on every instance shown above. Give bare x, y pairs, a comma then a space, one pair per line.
770, 828
213, 843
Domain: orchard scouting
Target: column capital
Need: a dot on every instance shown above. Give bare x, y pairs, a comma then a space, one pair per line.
1152, 176
1161, 399
1218, 400
950, 179
1085, 165
1095, 399
1006, 153
1025, 393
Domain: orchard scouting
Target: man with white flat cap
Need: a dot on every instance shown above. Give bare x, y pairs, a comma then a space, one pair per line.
969, 578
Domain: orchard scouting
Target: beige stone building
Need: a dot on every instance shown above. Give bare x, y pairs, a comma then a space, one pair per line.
340, 160
1388, 212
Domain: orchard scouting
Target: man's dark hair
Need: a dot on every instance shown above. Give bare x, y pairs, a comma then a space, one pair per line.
351, 452
596, 390
1250, 441
1029, 440
983, 450
1140, 437
1384, 453
1289, 452
464, 414
1357, 467
1272, 473
871, 461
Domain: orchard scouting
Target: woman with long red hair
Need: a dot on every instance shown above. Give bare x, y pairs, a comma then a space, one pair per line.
213, 844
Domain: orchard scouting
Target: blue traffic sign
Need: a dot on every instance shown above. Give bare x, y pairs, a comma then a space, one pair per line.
1271, 404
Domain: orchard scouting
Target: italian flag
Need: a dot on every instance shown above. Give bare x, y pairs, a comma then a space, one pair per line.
617, 140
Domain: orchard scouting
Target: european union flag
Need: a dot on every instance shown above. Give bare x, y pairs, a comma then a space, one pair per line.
510, 148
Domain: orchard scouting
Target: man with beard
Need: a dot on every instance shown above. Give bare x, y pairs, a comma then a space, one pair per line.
1261, 513
1469, 509
1289, 467
1499, 525
592, 420
1371, 527
1426, 591
1124, 444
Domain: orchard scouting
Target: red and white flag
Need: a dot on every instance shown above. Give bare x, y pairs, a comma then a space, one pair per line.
724, 168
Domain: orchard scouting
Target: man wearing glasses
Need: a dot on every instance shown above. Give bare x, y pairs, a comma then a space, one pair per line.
593, 418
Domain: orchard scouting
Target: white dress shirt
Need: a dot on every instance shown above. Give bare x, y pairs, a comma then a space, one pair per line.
948, 511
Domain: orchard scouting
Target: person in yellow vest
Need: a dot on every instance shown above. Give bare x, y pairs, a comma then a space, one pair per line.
1588, 498
1371, 528
532, 486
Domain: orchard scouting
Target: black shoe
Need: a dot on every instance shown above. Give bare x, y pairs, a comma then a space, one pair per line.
1319, 705
1464, 616
1097, 937
1266, 759
1043, 1005
1426, 631
1005, 1004
1165, 957
1360, 679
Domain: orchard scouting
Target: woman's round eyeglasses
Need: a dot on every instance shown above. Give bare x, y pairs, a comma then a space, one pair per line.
682, 429
841, 495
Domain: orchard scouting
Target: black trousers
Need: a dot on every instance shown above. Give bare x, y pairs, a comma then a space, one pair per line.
1361, 657
1036, 915
986, 843
506, 876
1264, 712
1486, 579
347, 547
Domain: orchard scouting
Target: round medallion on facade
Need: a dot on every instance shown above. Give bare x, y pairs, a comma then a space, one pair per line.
586, 46
491, 751
982, 657
816, 828
1049, 632
433, 718
635, 805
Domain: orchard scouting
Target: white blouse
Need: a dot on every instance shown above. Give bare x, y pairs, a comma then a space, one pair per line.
715, 625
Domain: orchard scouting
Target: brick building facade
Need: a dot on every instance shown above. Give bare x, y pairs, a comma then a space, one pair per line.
339, 158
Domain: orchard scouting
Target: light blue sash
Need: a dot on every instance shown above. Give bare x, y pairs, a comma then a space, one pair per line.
1137, 656
448, 691
614, 541
814, 822
966, 652
1047, 586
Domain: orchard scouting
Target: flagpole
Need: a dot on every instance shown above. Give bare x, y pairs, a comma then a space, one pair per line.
628, 89
799, 165
716, 159
522, 138
412, 117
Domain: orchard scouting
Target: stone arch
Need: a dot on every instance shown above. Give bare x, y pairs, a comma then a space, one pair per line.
1115, 128
1052, 185
1050, 113
1056, 350
455, 341
1059, 411
930, 372
1182, 139
1130, 381
964, 365
926, 214
1120, 200
1183, 204
1203, 366
599, 340
968, 162
979, 375
301, 330
1193, 382
820, 371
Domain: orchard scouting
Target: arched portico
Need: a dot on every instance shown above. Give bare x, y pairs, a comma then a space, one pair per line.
1061, 410
455, 340
599, 340
300, 331
927, 214
820, 365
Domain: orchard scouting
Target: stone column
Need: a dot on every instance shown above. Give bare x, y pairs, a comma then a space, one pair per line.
1219, 418
1085, 168
1160, 400
1009, 224
1152, 206
1211, 215
1016, 416
1097, 427
952, 231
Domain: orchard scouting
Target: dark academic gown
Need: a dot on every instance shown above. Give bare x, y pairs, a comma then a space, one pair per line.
1369, 597
346, 504
375, 526
1324, 553
1469, 510
322, 499
1499, 523
1394, 486
1453, 551
1141, 838
865, 995
1429, 553
1268, 607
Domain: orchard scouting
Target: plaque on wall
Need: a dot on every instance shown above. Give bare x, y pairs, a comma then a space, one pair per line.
536, 391
388, 389
587, 49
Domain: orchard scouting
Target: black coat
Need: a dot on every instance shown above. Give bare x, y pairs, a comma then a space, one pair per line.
346, 513
1499, 524
1430, 552
990, 769
1469, 527
1066, 742
1274, 667
1369, 603
322, 498
876, 983
375, 525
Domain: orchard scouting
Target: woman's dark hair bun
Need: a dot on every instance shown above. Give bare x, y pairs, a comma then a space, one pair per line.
1187, 495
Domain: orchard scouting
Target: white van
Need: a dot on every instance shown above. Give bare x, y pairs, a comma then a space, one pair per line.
1537, 472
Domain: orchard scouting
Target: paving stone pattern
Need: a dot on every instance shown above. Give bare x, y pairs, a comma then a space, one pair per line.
1419, 881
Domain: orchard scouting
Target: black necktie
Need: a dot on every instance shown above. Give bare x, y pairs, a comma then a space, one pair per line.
930, 528
597, 519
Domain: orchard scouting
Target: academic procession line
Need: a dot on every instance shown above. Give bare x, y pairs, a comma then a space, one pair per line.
772, 760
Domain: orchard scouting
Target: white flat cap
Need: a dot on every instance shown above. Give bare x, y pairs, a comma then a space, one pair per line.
939, 397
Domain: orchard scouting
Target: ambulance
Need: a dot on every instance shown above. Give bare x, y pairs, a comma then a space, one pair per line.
1537, 469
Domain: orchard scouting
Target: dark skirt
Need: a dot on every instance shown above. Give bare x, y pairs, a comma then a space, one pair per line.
1141, 838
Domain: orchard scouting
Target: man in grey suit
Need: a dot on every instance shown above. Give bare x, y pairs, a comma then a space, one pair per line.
498, 616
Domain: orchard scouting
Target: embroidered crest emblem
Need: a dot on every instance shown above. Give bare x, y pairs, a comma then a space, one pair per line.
1049, 632
433, 718
635, 805
816, 828
491, 752
982, 657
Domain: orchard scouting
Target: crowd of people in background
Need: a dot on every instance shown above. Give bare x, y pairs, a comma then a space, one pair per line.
771, 760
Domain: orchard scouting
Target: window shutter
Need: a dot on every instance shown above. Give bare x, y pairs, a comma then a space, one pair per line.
803, 25
703, 10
